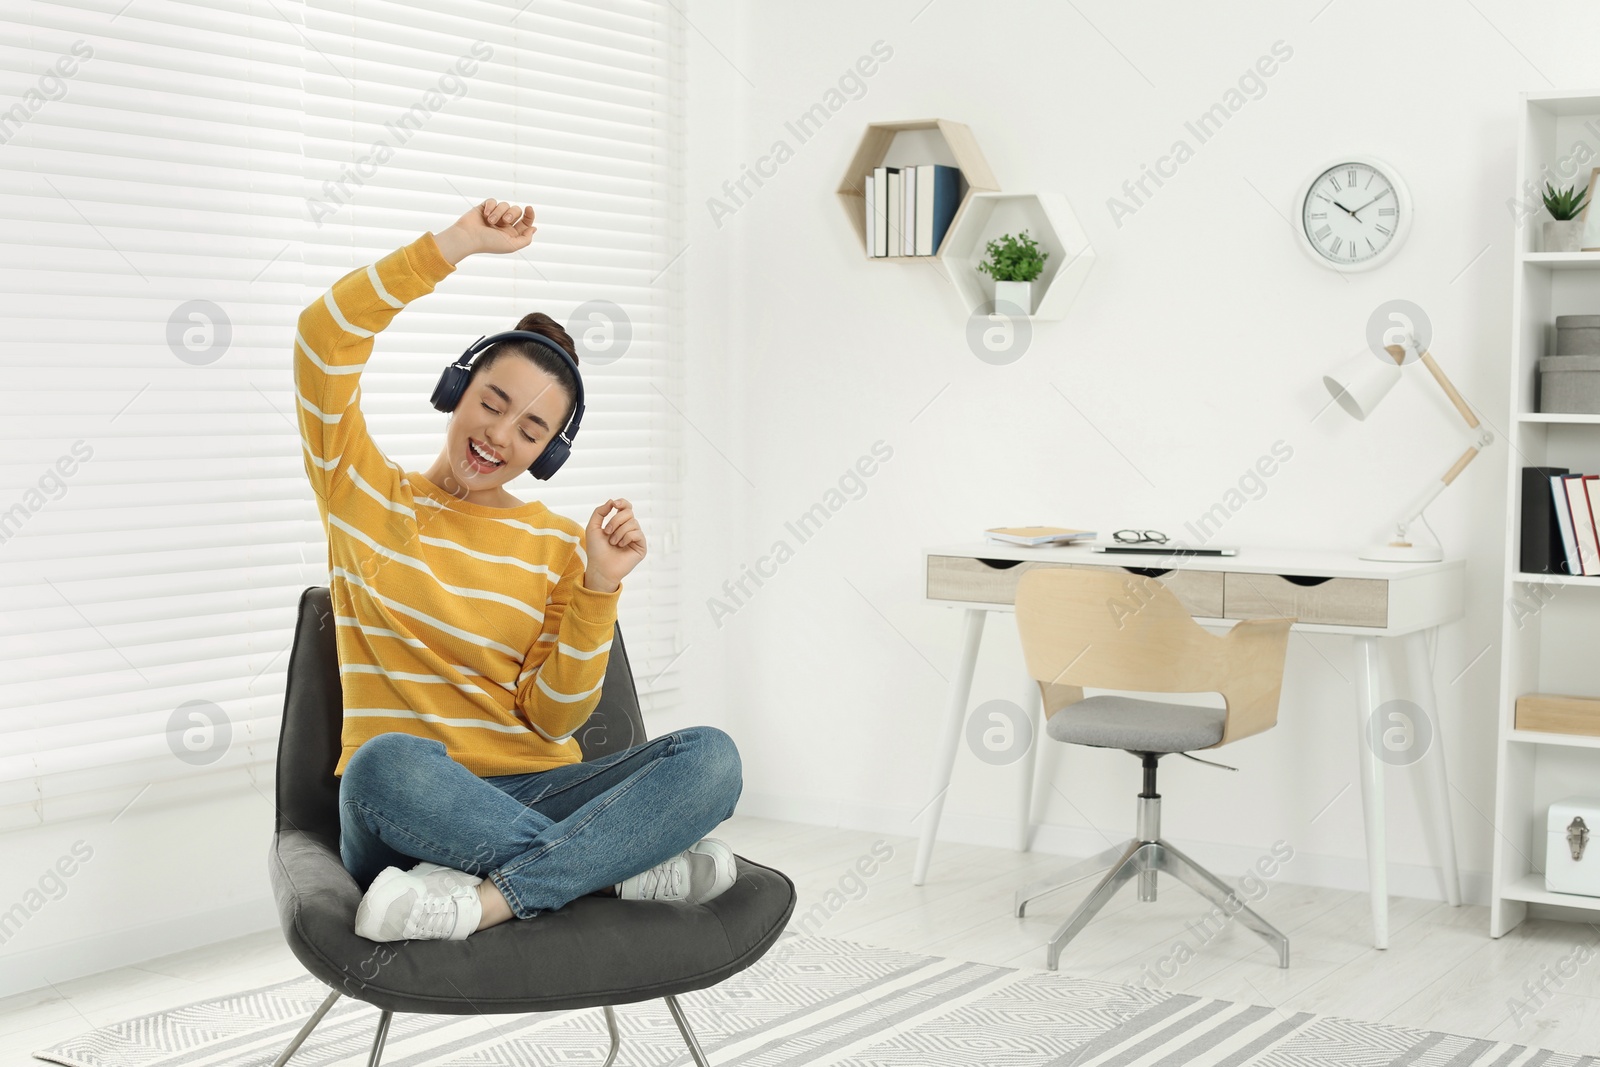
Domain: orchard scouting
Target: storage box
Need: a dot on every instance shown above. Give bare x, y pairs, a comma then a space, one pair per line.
1572, 849
1559, 715
1569, 378
1569, 384
1577, 335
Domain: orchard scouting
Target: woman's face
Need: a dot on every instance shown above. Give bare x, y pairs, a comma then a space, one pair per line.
511, 410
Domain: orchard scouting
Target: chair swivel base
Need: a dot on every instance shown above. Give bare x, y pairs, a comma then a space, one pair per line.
678, 1017
1142, 857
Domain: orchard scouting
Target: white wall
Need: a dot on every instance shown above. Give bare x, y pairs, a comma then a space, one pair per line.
1199, 340
171, 871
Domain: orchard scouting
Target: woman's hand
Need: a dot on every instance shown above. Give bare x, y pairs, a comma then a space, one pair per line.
615, 545
492, 226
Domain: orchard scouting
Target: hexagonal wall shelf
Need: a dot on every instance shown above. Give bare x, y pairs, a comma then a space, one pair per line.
1049, 220
875, 148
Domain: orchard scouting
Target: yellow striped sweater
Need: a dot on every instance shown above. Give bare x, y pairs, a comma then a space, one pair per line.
456, 621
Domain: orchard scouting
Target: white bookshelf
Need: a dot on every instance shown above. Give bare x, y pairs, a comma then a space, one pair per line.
1553, 650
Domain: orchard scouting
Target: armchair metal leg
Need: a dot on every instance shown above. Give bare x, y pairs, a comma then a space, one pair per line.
1132, 862
383, 1033
688, 1034
1214, 889
305, 1031
377, 1042
616, 1038
1076, 873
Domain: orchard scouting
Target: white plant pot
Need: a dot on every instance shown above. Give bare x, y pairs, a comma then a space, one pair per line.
1563, 236
1017, 294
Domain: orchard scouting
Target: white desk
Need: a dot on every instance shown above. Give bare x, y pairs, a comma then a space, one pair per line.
1382, 605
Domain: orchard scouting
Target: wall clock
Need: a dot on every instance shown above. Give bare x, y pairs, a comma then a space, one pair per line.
1354, 213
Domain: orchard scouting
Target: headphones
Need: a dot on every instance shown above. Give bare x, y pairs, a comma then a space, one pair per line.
453, 382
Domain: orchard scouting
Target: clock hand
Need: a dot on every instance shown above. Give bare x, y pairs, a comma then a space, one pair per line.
1344, 209
1356, 213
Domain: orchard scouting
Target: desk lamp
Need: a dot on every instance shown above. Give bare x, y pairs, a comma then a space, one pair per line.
1358, 385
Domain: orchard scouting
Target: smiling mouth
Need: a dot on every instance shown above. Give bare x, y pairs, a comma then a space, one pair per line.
482, 458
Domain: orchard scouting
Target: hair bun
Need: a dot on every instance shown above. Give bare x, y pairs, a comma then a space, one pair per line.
540, 323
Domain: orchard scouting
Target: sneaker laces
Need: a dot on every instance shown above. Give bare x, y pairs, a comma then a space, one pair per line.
666, 876
434, 917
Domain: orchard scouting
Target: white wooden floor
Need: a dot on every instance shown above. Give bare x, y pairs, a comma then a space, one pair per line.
1441, 972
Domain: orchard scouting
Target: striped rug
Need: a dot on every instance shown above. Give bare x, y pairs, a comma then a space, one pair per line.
812, 1001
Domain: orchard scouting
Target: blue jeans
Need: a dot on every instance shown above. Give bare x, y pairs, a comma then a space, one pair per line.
544, 837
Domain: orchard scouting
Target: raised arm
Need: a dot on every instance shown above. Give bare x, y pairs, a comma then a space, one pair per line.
332, 341
334, 334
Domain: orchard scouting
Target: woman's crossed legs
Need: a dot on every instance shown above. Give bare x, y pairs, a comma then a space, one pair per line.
543, 838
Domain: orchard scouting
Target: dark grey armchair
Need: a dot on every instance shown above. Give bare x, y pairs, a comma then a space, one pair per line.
592, 952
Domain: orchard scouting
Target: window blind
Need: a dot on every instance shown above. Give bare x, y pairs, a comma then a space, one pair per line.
177, 180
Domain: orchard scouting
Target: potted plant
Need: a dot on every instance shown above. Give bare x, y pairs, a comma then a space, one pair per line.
1014, 261
1565, 233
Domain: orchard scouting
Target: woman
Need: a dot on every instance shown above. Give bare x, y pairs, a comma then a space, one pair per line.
473, 632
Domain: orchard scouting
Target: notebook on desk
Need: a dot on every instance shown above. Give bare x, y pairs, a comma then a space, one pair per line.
1033, 536
1165, 550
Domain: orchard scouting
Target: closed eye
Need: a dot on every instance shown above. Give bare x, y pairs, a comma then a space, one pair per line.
486, 407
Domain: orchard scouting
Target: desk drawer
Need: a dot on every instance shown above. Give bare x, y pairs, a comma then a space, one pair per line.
1333, 601
965, 578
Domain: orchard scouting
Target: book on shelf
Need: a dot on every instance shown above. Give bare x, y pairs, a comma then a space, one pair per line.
908, 217
1029, 536
894, 211
871, 208
1542, 537
878, 210
1583, 529
1590, 484
937, 209
1567, 562
910, 208
1560, 522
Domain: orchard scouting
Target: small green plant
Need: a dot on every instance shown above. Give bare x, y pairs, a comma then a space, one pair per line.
1563, 204
1014, 258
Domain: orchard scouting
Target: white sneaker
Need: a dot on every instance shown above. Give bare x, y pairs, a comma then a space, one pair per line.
402, 906
442, 877
702, 872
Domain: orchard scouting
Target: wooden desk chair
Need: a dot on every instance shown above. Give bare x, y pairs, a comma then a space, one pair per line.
1104, 629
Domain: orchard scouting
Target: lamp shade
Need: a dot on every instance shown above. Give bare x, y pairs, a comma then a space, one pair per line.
1361, 381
